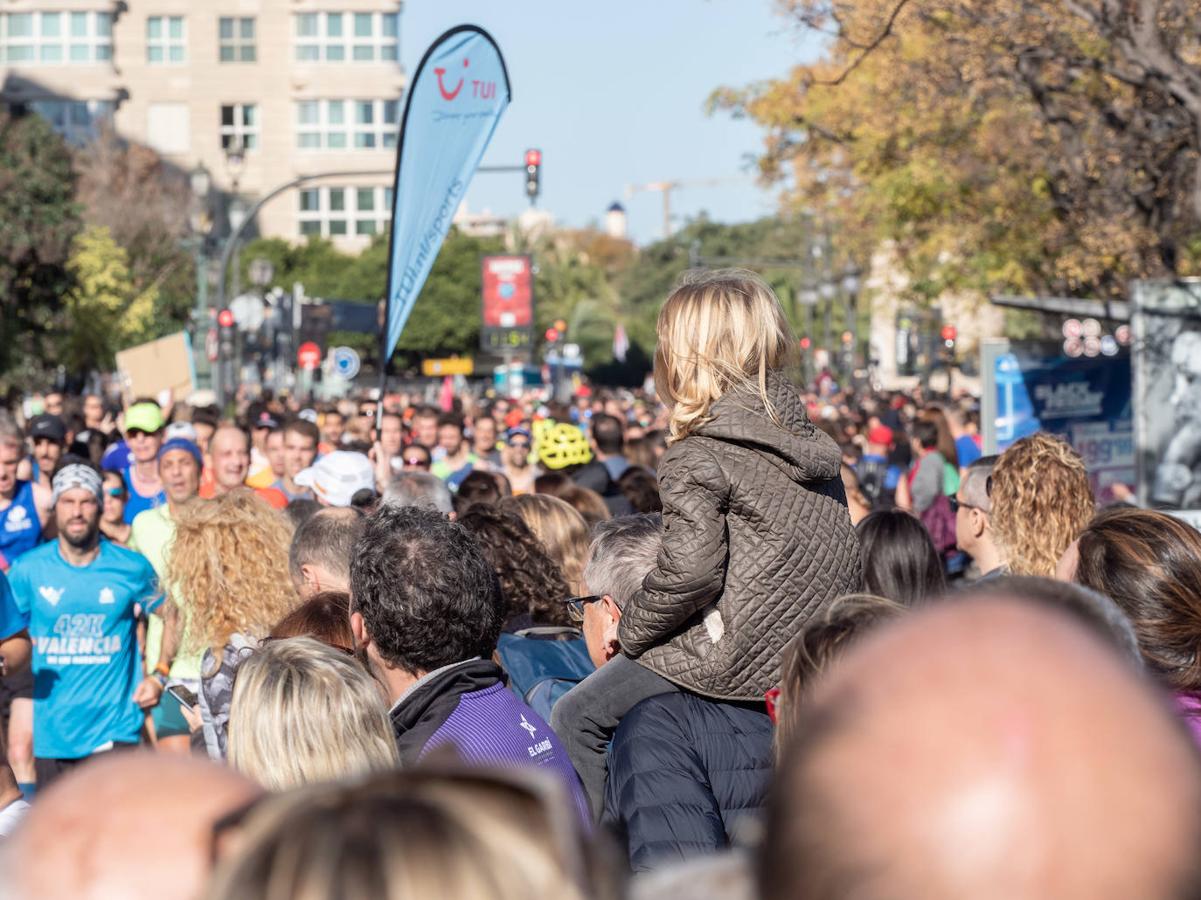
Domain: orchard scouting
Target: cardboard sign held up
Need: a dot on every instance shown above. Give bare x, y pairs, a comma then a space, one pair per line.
159, 367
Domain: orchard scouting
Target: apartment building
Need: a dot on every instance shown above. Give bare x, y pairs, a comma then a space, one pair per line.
258, 91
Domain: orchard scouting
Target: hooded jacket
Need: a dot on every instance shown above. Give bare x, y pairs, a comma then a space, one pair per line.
757, 538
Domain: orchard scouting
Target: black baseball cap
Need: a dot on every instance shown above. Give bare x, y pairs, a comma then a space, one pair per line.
48, 427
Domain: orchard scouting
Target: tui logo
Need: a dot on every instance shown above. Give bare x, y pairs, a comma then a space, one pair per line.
449, 95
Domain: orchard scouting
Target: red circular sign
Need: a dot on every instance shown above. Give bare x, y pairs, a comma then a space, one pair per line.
225, 318
949, 332
308, 355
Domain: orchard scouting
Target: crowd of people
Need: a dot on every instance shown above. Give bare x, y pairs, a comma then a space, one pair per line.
724, 638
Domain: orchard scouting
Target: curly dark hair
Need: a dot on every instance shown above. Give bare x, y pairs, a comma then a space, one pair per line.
428, 596
532, 583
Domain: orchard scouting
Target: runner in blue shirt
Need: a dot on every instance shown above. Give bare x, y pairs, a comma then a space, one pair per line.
24, 505
14, 634
80, 598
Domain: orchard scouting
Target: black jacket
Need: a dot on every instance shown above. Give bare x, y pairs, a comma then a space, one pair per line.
683, 772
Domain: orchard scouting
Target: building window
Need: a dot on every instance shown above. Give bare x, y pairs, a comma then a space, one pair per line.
166, 41
235, 39
339, 211
240, 126
55, 38
76, 120
342, 124
341, 37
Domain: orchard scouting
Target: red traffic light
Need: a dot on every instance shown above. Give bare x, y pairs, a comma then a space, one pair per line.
949, 332
533, 157
552, 335
225, 318
805, 343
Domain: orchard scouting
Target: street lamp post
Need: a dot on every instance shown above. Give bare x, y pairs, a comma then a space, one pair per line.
200, 222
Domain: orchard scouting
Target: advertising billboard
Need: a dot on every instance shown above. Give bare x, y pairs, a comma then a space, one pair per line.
508, 304
1084, 400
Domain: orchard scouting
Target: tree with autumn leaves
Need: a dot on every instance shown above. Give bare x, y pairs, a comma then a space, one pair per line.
1004, 146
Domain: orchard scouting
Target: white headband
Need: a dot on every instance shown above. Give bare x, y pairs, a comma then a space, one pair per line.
77, 476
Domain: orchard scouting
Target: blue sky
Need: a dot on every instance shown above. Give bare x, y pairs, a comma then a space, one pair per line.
613, 94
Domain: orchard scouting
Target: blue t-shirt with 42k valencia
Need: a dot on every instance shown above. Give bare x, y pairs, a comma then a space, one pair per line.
83, 622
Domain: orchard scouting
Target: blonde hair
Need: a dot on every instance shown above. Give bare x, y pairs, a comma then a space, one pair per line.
229, 566
411, 835
304, 712
561, 529
1041, 501
718, 331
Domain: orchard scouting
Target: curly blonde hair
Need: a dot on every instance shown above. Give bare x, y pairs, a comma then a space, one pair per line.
717, 331
1041, 501
229, 567
560, 528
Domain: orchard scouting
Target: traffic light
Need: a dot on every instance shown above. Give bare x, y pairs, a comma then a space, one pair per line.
533, 170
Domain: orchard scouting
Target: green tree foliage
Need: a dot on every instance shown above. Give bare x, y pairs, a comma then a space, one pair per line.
446, 317
645, 285
38, 219
105, 311
144, 204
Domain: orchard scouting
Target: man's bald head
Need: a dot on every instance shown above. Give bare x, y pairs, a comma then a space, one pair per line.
131, 825
988, 748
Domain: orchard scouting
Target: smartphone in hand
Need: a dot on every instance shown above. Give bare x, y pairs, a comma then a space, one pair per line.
185, 697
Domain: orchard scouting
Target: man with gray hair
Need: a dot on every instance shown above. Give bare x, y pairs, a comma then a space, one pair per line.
973, 520
319, 558
674, 753
623, 550
420, 489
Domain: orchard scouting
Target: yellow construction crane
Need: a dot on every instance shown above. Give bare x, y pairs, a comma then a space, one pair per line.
666, 187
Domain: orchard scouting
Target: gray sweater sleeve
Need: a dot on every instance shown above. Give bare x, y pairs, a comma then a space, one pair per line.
927, 483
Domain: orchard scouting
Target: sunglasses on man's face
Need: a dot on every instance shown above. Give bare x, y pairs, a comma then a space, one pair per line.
418, 462
575, 606
134, 433
519, 445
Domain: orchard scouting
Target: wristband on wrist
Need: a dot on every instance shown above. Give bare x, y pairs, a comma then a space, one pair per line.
163, 669
160, 678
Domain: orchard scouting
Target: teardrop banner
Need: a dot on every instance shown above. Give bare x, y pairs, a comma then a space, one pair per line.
456, 98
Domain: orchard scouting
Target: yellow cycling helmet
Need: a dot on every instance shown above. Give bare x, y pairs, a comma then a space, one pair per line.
561, 445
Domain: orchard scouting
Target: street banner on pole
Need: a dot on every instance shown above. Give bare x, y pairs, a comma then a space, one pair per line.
456, 98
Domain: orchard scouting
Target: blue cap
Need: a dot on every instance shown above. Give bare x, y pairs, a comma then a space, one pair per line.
182, 444
516, 431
